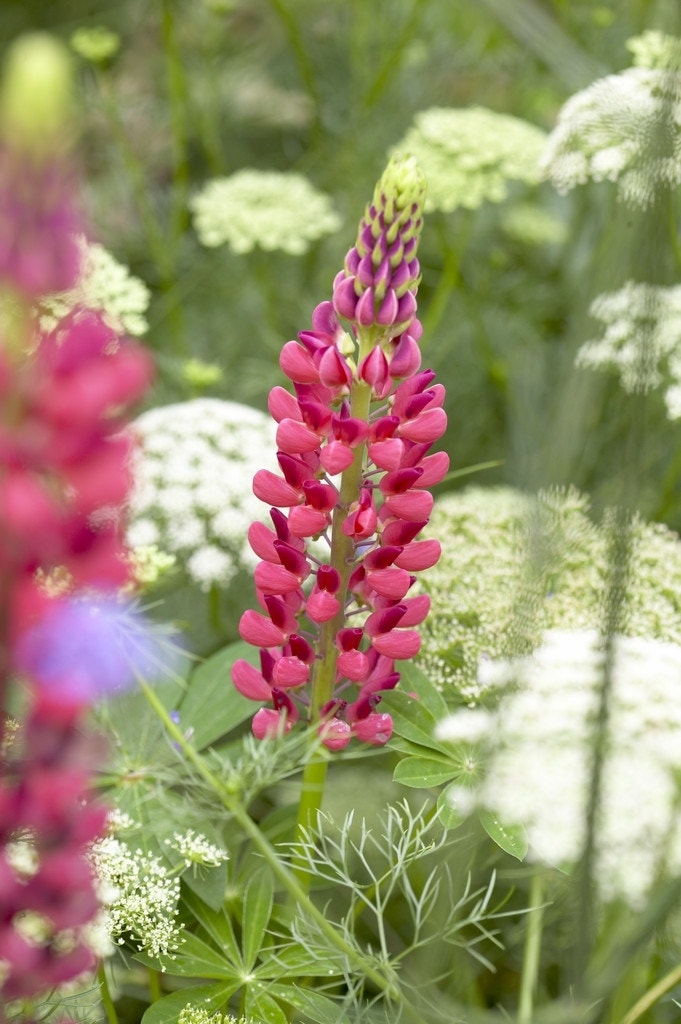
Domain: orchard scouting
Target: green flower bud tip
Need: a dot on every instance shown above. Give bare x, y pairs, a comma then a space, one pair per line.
98, 44
36, 95
401, 191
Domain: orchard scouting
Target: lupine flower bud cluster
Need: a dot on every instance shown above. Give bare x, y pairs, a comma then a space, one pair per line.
64, 478
353, 451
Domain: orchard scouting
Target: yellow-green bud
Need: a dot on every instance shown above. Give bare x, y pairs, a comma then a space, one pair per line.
36, 101
99, 44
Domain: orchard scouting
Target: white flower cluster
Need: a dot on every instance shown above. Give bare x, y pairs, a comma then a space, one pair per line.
192, 1014
195, 849
624, 128
141, 894
540, 742
514, 565
272, 209
192, 496
104, 285
641, 339
469, 155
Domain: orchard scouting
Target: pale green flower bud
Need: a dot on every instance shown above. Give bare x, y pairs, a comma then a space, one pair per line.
36, 97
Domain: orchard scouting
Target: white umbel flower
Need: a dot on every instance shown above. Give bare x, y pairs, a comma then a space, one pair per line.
469, 155
641, 339
104, 285
193, 475
514, 565
270, 209
624, 128
540, 742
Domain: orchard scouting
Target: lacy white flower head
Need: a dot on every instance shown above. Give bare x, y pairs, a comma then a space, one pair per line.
469, 155
104, 285
142, 897
641, 338
193, 1014
196, 850
624, 128
272, 209
540, 743
514, 565
193, 473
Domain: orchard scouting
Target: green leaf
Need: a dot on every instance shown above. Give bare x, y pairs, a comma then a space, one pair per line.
424, 772
217, 924
256, 914
261, 1006
294, 962
450, 817
510, 838
413, 679
209, 997
212, 705
313, 1004
195, 958
209, 883
412, 720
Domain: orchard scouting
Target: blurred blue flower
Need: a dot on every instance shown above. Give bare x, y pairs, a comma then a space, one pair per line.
89, 647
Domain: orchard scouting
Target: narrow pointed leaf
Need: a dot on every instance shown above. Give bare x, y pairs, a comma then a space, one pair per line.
256, 914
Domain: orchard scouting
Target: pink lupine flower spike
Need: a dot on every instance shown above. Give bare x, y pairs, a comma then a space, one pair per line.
354, 439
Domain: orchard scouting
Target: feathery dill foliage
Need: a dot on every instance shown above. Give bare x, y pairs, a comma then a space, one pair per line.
514, 565
468, 156
269, 209
537, 750
192, 496
103, 284
641, 340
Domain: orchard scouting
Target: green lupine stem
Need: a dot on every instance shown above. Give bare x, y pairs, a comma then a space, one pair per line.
105, 995
231, 802
530, 971
324, 674
155, 990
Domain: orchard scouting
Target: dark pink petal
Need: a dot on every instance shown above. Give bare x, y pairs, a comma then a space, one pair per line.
374, 369
320, 496
298, 364
364, 309
391, 583
294, 437
344, 296
261, 540
271, 488
353, 665
325, 320
400, 644
375, 729
389, 311
400, 480
427, 426
328, 578
406, 357
307, 522
334, 371
381, 557
334, 734
335, 457
321, 606
275, 579
249, 681
259, 630
435, 468
401, 532
385, 619
412, 505
417, 609
290, 671
387, 454
282, 405
268, 724
292, 559
422, 554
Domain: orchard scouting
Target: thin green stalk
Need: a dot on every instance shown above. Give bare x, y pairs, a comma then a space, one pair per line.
531, 955
233, 805
155, 990
177, 95
109, 1008
650, 997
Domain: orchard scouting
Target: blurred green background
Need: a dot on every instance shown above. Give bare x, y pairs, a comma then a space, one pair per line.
201, 88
